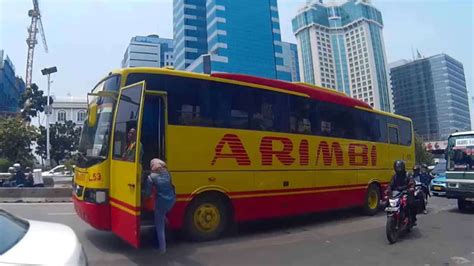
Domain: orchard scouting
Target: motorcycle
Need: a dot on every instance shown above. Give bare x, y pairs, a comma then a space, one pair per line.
398, 216
421, 196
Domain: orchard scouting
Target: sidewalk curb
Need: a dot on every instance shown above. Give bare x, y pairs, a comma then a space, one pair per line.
34, 200
45, 194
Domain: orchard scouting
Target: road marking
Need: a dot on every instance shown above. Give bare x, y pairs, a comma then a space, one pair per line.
61, 213
33, 203
460, 260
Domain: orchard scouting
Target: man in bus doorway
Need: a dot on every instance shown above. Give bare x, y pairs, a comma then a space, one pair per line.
160, 178
129, 153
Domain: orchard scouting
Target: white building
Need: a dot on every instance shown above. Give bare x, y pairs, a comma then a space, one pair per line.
69, 108
340, 46
148, 51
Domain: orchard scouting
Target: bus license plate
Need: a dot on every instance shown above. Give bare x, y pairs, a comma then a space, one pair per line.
437, 188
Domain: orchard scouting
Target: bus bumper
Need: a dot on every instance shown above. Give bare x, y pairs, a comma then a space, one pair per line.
97, 215
459, 194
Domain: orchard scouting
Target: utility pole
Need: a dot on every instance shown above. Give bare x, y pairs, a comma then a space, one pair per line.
48, 72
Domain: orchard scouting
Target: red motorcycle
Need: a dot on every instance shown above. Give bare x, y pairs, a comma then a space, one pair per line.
398, 215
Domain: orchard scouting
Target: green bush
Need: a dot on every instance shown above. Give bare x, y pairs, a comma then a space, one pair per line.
4, 164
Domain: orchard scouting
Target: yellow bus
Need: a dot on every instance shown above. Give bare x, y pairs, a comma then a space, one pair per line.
238, 147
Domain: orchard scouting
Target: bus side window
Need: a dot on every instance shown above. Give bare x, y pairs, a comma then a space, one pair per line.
405, 132
393, 135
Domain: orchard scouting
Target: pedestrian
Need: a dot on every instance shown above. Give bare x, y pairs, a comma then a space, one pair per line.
160, 178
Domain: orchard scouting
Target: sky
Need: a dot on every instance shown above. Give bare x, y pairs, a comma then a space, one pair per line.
87, 38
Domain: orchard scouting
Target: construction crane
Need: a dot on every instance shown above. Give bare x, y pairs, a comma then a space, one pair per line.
36, 25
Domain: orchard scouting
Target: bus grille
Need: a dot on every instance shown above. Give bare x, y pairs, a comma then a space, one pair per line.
466, 186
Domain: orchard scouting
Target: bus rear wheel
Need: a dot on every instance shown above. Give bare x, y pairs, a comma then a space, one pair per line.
206, 218
372, 200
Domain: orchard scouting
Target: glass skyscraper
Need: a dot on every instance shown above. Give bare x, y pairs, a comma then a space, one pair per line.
242, 37
11, 86
290, 60
148, 51
341, 46
432, 92
189, 31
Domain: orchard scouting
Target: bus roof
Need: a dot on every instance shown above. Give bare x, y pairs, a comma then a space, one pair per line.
317, 93
462, 133
298, 88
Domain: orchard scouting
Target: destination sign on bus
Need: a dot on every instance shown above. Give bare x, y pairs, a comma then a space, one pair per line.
465, 142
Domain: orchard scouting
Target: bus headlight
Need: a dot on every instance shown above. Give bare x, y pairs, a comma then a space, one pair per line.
95, 195
453, 185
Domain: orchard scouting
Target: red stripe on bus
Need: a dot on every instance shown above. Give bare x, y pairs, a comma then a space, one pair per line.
124, 204
321, 94
240, 193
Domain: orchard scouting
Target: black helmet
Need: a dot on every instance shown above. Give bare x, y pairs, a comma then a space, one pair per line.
416, 168
399, 167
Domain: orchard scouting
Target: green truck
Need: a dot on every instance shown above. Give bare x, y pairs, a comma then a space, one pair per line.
460, 169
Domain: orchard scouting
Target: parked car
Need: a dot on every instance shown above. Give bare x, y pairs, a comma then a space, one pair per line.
438, 184
59, 173
28, 242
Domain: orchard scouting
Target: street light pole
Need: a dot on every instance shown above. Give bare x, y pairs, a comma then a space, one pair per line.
48, 111
48, 72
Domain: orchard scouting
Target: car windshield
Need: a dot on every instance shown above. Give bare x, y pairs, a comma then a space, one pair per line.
461, 153
440, 168
94, 143
12, 230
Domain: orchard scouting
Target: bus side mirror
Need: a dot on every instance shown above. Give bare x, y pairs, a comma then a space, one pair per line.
92, 115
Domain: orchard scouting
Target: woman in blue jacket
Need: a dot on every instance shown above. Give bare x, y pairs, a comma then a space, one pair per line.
160, 178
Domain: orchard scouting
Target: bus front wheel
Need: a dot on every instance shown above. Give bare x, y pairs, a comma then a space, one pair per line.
462, 205
206, 217
372, 200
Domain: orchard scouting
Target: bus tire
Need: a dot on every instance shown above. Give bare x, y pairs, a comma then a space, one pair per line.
462, 205
207, 217
372, 200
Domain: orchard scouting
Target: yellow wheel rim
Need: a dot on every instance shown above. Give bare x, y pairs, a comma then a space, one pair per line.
207, 218
373, 199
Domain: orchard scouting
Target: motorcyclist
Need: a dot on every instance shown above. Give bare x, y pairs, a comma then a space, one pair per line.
10, 182
425, 175
20, 178
400, 182
29, 177
419, 177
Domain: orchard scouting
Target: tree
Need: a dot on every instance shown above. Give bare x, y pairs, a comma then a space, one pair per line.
32, 102
16, 138
64, 141
422, 156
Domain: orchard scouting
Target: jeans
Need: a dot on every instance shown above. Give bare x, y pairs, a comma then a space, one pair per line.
160, 220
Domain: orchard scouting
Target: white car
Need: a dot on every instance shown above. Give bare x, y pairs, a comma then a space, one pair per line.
59, 173
27, 242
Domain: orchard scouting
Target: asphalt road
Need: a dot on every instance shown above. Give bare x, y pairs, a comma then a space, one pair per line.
443, 237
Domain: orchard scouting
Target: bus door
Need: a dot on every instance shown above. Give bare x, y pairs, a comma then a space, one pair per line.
153, 142
153, 127
126, 164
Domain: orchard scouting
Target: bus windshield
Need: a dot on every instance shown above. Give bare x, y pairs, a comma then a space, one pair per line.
461, 153
94, 143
